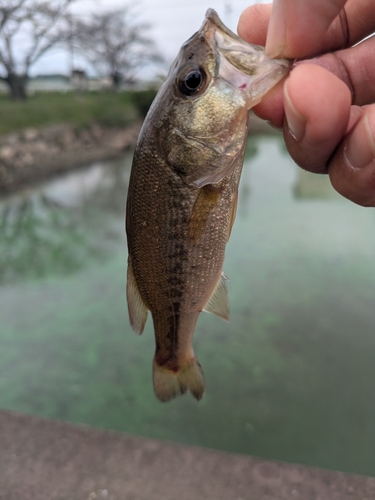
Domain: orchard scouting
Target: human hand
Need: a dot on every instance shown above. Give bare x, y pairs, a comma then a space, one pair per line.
325, 106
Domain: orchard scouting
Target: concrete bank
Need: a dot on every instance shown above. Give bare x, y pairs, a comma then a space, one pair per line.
34, 154
43, 459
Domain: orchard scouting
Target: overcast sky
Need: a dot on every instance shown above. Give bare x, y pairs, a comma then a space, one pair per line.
172, 22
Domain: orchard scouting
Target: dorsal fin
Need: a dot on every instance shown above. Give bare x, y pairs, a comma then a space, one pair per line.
218, 303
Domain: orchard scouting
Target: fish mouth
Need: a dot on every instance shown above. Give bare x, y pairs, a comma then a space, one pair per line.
241, 64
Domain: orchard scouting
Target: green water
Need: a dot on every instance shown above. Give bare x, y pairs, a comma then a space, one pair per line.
291, 377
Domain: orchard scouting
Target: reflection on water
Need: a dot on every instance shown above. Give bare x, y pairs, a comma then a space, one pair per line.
313, 186
292, 375
63, 226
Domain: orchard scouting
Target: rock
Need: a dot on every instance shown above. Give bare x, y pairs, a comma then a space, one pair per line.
53, 132
27, 160
10, 139
96, 132
30, 134
120, 140
7, 153
41, 147
85, 137
67, 138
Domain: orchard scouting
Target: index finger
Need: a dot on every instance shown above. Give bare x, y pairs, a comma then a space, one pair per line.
354, 23
297, 28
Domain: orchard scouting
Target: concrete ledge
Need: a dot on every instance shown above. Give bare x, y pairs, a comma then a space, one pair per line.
43, 459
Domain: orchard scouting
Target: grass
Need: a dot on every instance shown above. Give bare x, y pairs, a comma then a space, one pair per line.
80, 109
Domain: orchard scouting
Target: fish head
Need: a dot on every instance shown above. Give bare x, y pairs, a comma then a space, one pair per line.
202, 108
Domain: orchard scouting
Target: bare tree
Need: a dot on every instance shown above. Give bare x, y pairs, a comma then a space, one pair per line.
115, 44
28, 29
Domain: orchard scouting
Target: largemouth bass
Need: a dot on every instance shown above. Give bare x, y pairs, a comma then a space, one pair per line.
183, 194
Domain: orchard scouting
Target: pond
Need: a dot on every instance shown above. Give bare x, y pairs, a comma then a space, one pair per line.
291, 377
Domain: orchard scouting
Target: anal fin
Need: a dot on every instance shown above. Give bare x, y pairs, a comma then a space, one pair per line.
218, 303
137, 309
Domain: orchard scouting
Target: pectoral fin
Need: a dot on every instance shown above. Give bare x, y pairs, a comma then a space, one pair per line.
137, 309
218, 303
208, 198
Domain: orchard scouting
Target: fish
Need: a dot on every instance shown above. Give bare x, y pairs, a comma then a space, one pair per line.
183, 191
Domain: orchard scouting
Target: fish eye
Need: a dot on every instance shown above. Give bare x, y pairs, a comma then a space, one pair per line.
191, 80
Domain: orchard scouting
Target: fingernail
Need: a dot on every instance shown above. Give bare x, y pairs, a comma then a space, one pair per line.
276, 30
360, 146
296, 122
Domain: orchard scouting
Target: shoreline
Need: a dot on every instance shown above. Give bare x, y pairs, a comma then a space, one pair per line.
36, 154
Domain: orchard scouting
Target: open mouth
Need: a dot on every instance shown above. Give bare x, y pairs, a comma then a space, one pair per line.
242, 65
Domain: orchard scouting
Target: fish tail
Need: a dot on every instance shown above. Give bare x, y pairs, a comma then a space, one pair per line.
169, 384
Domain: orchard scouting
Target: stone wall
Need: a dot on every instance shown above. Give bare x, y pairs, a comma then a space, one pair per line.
34, 154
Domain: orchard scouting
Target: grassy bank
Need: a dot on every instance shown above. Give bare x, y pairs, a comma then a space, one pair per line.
78, 108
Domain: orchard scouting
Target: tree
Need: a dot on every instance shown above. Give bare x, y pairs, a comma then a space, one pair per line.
115, 44
28, 29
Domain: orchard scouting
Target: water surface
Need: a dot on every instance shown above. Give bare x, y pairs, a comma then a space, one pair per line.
291, 377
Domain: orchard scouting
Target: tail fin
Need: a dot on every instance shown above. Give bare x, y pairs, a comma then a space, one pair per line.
169, 384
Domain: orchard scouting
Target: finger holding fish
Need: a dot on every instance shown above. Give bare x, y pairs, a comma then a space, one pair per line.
318, 111
359, 17
307, 28
312, 131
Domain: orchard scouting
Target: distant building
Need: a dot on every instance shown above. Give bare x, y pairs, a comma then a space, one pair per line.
79, 79
54, 82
